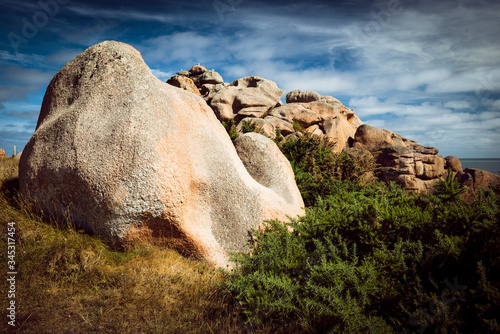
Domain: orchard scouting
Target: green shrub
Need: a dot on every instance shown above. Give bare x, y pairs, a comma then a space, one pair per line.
318, 167
449, 189
230, 127
248, 126
372, 258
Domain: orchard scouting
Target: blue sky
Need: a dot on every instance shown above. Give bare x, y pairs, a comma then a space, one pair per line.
429, 70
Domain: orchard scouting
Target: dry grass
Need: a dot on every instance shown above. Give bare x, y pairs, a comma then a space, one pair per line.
69, 282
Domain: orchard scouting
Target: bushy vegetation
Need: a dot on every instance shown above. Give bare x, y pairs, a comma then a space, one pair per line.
370, 258
230, 127
318, 168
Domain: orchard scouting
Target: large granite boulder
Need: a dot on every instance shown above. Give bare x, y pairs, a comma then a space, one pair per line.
475, 179
401, 160
129, 157
250, 96
325, 117
2, 153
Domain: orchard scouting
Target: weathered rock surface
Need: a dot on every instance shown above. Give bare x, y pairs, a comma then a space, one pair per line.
453, 163
197, 70
211, 78
401, 160
265, 162
476, 179
200, 77
184, 83
2, 153
208, 91
262, 126
130, 157
327, 117
249, 96
302, 96
258, 98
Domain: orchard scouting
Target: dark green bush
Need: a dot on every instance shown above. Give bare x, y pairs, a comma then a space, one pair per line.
248, 126
372, 259
230, 127
317, 167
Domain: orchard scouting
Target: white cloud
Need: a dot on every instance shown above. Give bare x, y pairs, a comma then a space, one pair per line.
188, 48
121, 14
464, 104
370, 106
24, 59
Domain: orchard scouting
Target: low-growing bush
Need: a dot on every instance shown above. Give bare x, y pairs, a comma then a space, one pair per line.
318, 167
375, 260
371, 258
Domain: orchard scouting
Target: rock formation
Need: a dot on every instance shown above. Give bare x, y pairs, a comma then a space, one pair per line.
401, 160
475, 179
184, 83
129, 157
2, 153
257, 100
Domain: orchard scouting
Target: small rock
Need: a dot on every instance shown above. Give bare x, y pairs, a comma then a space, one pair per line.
268, 166
262, 126
184, 83
210, 77
302, 96
453, 163
285, 127
197, 70
315, 130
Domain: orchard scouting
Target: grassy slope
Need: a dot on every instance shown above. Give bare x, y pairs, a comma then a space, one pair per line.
69, 282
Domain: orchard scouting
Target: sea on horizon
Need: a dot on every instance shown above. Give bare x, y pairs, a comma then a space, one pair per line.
491, 165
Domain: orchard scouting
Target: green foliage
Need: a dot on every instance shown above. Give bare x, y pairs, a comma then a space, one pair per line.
248, 126
230, 127
317, 167
279, 138
372, 258
449, 189
297, 126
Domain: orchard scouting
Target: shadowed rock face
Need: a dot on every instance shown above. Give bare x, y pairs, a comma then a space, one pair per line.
403, 161
128, 156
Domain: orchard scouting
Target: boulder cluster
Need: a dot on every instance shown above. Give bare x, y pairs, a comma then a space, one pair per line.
418, 168
258, 101
401, 160
129, 157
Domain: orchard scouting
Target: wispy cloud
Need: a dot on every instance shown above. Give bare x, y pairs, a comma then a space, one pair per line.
121, 13
427, 69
